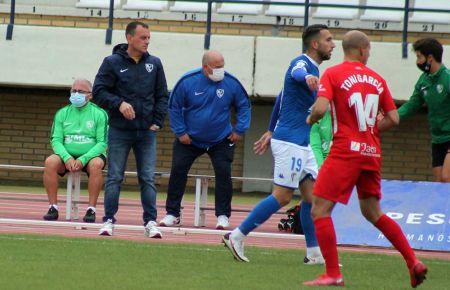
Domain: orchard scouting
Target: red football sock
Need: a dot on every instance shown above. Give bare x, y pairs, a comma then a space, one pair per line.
392, 231
326, 236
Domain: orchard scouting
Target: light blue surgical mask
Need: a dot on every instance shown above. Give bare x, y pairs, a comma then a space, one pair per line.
77, 99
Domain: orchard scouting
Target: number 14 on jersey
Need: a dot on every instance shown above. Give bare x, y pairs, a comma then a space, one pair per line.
366, 112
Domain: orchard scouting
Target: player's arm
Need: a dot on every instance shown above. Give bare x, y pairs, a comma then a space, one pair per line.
104, 86
57, 137
161, 97
301, 74
389, 120
176, 105
242, 106
414, 104
260, 146
387, 106
275, 113
319, 109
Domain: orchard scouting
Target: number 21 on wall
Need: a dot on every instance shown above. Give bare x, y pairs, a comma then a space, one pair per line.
366, 113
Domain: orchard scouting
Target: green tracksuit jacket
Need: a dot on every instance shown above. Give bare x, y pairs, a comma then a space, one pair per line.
320, 138
80, 133
434, 90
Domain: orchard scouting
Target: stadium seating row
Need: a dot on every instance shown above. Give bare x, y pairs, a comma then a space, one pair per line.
268, 13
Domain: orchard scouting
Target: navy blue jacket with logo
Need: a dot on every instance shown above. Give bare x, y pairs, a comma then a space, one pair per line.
143, 85
202, 108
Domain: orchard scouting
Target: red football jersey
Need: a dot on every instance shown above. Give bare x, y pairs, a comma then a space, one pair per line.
356, 95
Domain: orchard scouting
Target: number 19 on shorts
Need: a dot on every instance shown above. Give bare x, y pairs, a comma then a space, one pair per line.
296, 164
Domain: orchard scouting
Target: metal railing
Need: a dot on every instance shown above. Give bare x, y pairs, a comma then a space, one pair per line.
109, 30
9, 29
306, 5
201, 190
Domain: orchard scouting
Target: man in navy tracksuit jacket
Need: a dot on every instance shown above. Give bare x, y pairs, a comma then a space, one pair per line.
131, 86
200, 117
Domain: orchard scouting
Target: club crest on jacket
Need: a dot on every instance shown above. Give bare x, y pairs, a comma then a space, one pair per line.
220, 92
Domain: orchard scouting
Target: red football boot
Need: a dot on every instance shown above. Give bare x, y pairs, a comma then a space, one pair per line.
417, 273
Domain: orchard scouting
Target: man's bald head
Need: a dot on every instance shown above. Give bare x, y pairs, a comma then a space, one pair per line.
356, 46
212, 56
354, 40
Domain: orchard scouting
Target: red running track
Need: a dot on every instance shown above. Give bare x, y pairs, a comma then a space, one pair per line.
26, 206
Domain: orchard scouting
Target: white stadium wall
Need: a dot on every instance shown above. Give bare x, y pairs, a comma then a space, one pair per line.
54, 56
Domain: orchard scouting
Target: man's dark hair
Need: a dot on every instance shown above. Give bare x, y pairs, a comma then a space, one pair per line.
131, 27
427, 46
312, 32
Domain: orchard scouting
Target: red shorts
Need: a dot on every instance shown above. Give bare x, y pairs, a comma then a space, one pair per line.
337, 178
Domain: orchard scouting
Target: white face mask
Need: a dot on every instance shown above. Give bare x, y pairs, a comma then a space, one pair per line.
217, 75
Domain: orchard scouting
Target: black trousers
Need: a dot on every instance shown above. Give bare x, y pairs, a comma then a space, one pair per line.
183, 156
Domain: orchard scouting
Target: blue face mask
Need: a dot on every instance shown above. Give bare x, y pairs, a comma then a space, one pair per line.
77, 99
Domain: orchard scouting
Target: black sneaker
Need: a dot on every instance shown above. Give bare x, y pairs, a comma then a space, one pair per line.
89, 217
52, 214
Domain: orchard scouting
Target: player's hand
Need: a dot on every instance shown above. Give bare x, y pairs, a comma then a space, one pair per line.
77, 166
234, 137
313, 83
185, 139
380, 116
70, 165
308, 120
127, 111
154, 128
260, 146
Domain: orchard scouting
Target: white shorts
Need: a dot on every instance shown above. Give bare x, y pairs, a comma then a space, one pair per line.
292, 163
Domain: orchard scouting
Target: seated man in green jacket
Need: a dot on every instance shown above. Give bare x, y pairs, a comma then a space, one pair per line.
78, 138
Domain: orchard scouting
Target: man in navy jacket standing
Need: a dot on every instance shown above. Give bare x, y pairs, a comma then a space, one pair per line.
200, 116
131, 86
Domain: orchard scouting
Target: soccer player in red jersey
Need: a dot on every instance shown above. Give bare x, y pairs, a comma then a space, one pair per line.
357, 95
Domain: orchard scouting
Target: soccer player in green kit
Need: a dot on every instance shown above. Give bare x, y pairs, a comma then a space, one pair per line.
433, 89
321, 136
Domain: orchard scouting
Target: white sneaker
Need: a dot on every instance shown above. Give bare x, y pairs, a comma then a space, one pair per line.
107, 228
315, 261
152, 231
236, 247
222, 222
319, 260
169, 221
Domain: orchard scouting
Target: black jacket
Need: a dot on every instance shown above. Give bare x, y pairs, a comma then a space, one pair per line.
143, 85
